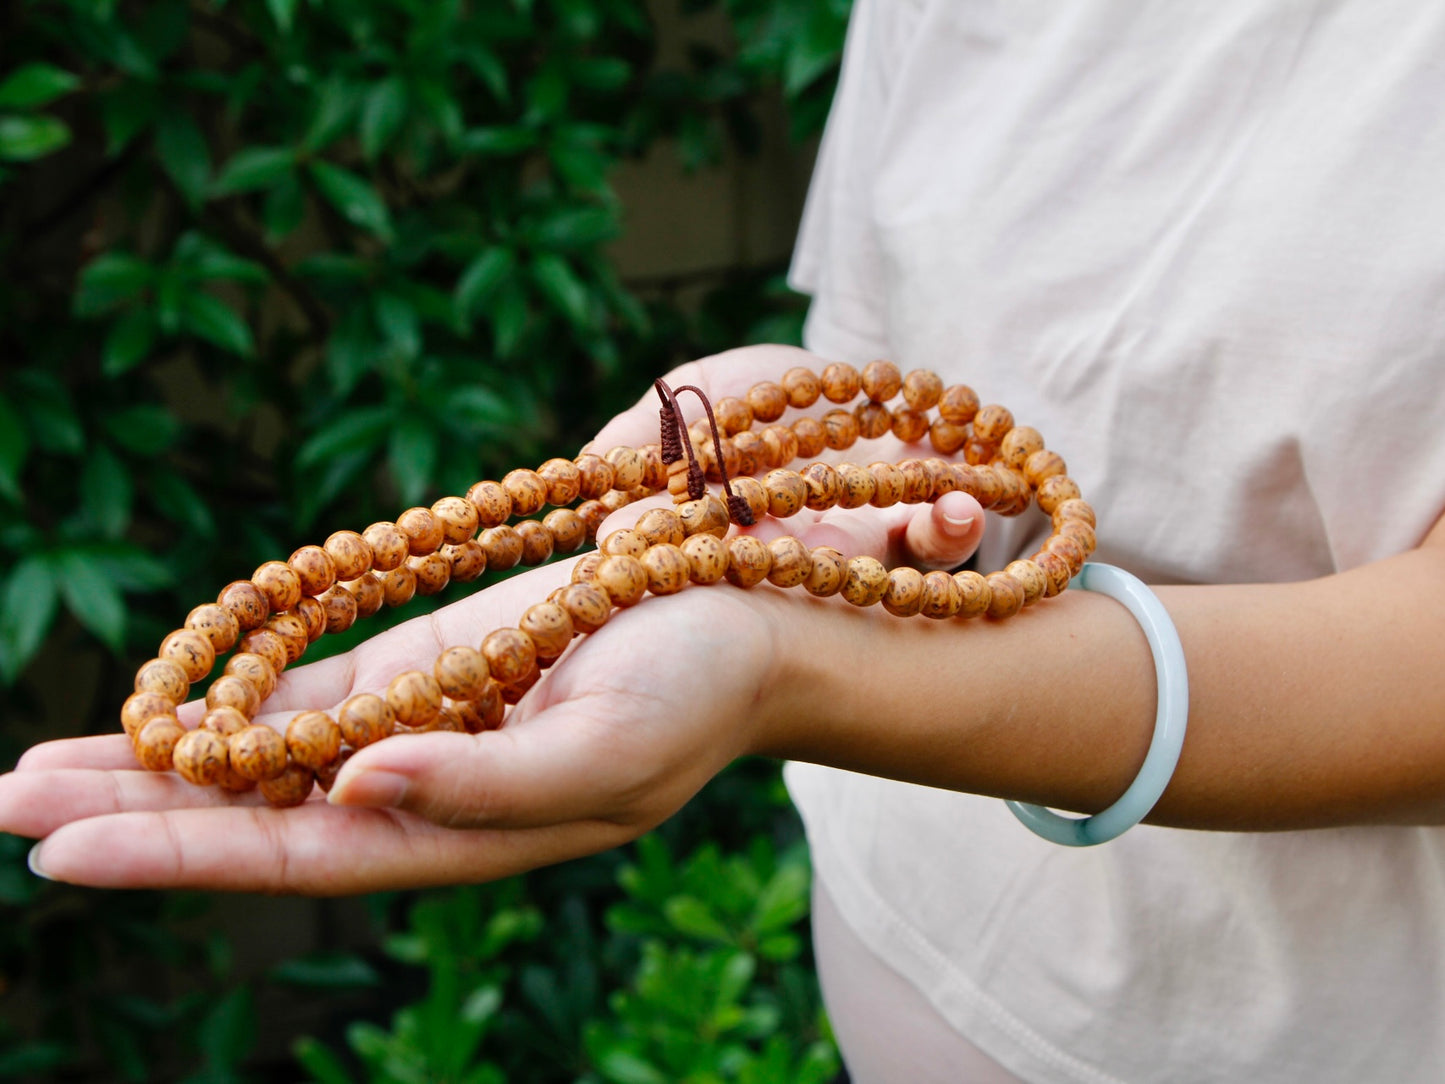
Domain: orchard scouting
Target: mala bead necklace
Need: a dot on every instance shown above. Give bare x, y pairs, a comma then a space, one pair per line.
267, 622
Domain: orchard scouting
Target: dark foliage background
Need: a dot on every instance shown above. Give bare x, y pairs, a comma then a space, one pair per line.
273, 267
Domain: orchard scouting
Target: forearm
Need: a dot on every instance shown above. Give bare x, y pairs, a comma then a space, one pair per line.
1311, 704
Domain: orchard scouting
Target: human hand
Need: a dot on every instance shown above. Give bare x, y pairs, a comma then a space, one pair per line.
942, 534
611, 742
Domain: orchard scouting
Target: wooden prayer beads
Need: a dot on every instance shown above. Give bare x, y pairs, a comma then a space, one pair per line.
268, 620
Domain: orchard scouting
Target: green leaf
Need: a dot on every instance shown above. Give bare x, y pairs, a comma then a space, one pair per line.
23, 139
14, 448
490, 70
178, 501
624, 1067
109, 280
353, 431
692, 916
600, 72
184, 155
561, 286
205, 260
547, 93
106, 491
283, 12
254, 168
33, 85
481, 406
229, 1029
509, 313
329, 971
356, 201
145, 429
91, 597
574, 227
212, 319
131, 568
783, 900
317, 1059
498, 140
284, 209
397, 317
127, 111
382, 115
128, 343
336, 104
29, 603
350, 351
49, 412
479, 280
412, 455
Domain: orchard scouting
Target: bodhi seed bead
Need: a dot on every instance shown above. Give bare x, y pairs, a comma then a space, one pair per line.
1006, 595
291, 787
292, 630
751, 452
909, 426
824, 486
592, 513
903, 597
313, 616
268, 644
594, 476
782, 444
887, 485
840, 429
313, 739
313, 564
433, 572
859, 485
1055, 490
536, 542
490, 500
155, 743
881, 381
398, 586
349, 553
201, 757
707, 515
490, 708
233, 692
767, 401
518, 689
922, 389
225, 721
874, 420
654, 470
415, 698
339, 607
733, 415
527, 490
974, 594
588, 606
163, 676
754, 494
1019, 445
840, 382
1043, 464
802, 387
958, 404
458, 518
254, 670
865, 581
626, 467
787, 493
568, 531
707, 558
947, 437
1081, 533
811, 435
668, 569
1031, 578
917, 481
1069, 550
550, 628
217, 623
1056, 569
247, 604
623, 578
389, 546
992, 423
326, 776
461, 672
467, 560
978, 452
369, 593
365, 718
503, 547
826, 576
1074, 508
280, 583
564, 480
585, 570
749, 561
511, 654
424, 532
140, 708
192, 650
624, 542
940, 597
790, 562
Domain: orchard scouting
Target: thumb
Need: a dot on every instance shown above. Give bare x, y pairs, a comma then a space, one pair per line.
945, 533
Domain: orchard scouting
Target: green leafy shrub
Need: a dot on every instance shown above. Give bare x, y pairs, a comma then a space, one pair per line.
274, 268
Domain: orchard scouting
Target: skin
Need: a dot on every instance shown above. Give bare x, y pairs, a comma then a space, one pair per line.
1311, 705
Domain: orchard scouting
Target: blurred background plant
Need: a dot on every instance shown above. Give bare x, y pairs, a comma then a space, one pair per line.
276, 267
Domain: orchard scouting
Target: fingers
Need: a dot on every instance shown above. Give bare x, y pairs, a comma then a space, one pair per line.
315, 849
945, 533
102, 752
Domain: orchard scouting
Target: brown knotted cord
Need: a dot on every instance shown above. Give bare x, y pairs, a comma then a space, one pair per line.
737, 507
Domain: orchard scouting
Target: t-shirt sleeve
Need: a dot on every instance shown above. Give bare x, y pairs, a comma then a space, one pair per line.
837, 260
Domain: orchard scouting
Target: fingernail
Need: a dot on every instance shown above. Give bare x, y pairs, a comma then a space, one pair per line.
372, 790
33, 861
958, 524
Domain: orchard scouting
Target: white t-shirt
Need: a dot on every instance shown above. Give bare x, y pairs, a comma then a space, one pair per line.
1201, 247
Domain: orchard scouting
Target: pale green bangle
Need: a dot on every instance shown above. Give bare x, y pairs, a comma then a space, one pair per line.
1169, 721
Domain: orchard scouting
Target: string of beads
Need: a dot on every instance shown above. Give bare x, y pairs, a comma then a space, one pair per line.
271, 618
